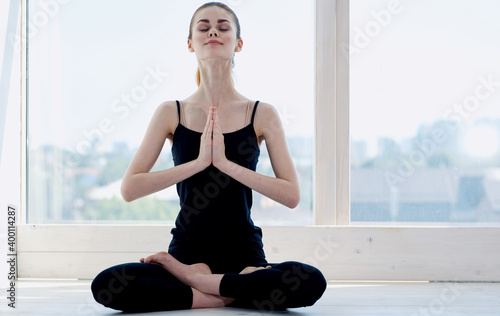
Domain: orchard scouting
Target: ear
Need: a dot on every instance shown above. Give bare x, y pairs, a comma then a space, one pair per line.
190, 46
239, 46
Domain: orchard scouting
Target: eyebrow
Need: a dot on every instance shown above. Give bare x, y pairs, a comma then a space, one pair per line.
218, 21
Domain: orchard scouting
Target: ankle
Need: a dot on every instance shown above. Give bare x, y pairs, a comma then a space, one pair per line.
203, 300
190, 280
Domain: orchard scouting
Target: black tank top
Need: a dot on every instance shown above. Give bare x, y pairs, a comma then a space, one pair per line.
214, 224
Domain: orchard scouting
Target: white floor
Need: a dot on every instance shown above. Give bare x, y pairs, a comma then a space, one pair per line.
73, 298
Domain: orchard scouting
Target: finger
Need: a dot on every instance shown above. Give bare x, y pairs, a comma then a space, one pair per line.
206, 131
214, 113
207, 125
211, 128
217, 130
217, 123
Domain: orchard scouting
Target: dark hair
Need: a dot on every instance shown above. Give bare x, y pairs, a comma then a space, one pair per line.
222, 6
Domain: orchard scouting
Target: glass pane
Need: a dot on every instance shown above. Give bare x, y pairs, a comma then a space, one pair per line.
10, 126
99, 69
425, 114
10, 105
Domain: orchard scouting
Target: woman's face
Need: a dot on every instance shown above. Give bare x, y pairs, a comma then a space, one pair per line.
214, 35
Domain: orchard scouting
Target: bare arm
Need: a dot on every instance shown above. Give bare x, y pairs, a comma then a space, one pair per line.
284, 188
138, 180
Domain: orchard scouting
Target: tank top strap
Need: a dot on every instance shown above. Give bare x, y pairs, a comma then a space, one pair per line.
254, 109
178, 110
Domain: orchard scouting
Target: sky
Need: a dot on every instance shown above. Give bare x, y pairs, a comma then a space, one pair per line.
94, 54
424, 58
411, 62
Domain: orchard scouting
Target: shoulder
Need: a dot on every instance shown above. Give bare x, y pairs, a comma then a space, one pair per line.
267, 119
167, 107
166, 114
265, 113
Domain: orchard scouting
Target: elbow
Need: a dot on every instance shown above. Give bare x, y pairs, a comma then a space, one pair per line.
293, 203
126, 192
294, 199
127, 198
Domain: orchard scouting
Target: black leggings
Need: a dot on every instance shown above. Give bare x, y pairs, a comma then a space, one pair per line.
141, 287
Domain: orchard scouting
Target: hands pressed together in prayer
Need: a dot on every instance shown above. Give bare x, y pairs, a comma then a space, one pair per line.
212, 149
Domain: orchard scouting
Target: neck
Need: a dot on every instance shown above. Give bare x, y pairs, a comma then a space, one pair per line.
216, 85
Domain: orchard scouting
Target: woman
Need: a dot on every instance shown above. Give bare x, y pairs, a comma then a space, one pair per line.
216, 256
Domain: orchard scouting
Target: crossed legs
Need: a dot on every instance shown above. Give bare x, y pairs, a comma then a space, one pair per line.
199, 277
161, 282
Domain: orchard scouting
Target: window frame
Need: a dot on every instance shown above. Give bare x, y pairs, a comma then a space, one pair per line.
24, 116
332, 105
341, 251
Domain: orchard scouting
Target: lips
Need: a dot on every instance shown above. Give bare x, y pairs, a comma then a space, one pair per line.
213, 42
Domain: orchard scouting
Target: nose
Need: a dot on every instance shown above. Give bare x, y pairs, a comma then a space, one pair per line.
213, 33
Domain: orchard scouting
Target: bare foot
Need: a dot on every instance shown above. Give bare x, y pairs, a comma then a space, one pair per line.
187, 274
248, 270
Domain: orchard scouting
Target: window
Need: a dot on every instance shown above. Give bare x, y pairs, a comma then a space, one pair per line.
394, 249
425, 120
10, 100
98, 70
